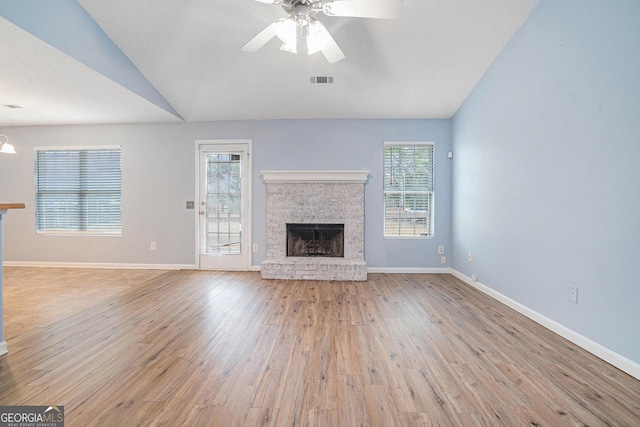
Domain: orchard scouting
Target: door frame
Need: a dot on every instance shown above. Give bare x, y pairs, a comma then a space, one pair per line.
246, 234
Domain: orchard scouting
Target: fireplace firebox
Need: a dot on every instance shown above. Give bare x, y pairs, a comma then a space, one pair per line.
315, 240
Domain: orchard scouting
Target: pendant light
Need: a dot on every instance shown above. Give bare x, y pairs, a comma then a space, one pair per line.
6, 147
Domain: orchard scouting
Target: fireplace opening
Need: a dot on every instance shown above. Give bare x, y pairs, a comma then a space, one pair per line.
317, 240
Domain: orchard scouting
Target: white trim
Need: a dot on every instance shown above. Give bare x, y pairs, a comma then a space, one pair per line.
410, 143
417, 237
255, 268
3, 348
77, 233
78, 147
408, 270
352, 176
100, 265
629, 366
196, 211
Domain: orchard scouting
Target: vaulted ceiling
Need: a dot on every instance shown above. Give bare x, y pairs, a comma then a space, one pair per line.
122, 61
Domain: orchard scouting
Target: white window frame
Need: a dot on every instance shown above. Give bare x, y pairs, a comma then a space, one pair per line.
112, 233
431, 192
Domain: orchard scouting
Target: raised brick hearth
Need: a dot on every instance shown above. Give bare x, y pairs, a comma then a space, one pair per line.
315, 197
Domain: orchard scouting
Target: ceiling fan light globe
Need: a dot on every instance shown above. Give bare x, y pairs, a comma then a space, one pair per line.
287, 31
290, 47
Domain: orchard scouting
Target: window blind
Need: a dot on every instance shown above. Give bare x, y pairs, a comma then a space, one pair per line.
78, 191
408, 189
408, 167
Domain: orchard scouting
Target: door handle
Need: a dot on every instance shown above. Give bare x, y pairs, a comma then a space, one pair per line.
202, 212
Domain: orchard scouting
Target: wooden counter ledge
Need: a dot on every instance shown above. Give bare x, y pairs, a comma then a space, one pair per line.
5, 206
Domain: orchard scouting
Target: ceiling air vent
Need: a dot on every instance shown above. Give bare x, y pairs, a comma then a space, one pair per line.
321, 80
12, 106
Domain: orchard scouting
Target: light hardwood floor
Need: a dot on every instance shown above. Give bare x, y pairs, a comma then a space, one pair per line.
191, 348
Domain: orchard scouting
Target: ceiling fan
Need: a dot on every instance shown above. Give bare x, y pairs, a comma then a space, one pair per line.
301, 23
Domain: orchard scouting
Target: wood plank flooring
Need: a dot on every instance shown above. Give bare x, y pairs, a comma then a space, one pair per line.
192, 348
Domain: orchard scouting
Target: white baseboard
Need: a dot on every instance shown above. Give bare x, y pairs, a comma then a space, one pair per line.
114, 266
408, 270
629, 366
3, 348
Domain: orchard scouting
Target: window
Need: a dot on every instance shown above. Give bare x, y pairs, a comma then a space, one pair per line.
408, 189
78, 191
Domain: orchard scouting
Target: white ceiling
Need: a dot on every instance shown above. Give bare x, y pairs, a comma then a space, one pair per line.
423, 65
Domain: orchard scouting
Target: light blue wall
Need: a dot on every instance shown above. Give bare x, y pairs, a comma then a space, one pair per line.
159, 177
546, 178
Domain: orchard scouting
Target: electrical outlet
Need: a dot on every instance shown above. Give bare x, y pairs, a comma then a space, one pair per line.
153, 246
443, 259
255, 247
470, 256
440, 250
573, 294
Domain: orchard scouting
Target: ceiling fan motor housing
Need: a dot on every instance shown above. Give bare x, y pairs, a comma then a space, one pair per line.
302, 11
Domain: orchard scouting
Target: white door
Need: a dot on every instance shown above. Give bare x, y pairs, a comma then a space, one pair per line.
223, 205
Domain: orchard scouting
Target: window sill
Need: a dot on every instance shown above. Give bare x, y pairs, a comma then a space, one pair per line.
78, 234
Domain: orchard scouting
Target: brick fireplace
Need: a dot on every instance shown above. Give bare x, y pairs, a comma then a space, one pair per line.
315, 198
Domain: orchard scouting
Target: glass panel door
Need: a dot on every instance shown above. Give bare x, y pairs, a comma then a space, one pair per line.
223, 207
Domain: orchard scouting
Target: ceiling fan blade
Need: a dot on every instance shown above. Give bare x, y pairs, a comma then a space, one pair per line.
262, 38
319, 39
382, 9
332, 51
